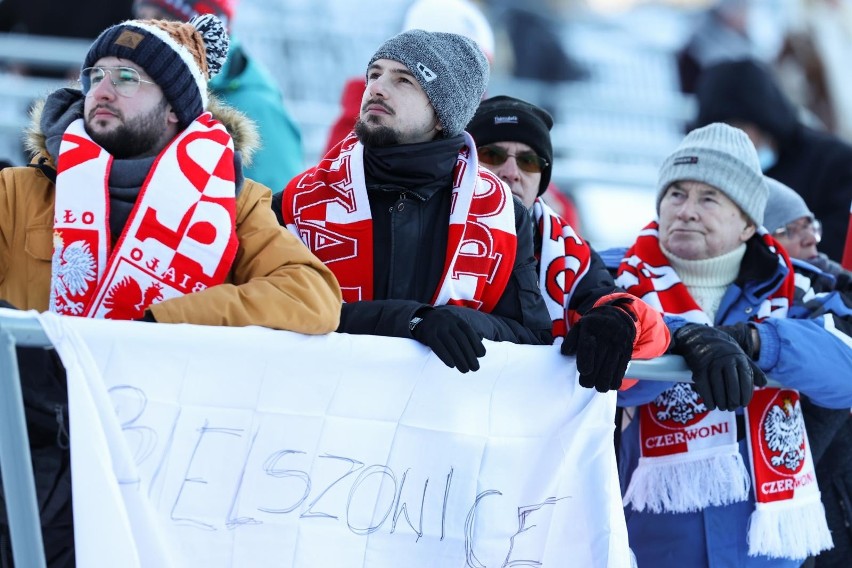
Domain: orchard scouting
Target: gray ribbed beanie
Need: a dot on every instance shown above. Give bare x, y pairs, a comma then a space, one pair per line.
784, 206
721, 156
451, 68
180, 57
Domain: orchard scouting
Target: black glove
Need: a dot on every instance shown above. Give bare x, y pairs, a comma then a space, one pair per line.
843, 282
452, 339
741, 333
147, 316
723, 375
602, 339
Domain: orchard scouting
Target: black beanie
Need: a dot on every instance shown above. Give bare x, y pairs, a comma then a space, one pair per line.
507, 119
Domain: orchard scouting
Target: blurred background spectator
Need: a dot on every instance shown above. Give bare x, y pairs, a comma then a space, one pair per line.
79, 19
814, 65
535, 30
815, 163
722, 34
245, 84
42, 43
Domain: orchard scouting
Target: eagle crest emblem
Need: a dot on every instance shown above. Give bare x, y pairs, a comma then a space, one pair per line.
784, 435
125, 299
679, 404
73, 268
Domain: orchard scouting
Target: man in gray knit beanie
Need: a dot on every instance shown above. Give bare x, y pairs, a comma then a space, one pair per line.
426, 244
450, 68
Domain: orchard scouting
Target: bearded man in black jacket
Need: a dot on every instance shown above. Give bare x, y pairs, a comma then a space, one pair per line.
425, 243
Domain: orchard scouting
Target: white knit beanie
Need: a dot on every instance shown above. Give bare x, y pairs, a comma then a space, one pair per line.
721, 156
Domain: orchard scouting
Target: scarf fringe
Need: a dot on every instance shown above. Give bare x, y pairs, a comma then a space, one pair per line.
676, 486
789, 532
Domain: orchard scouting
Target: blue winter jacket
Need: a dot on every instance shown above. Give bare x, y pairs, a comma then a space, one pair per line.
797, 353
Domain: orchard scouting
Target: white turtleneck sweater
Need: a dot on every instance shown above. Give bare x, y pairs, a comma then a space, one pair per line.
707, 279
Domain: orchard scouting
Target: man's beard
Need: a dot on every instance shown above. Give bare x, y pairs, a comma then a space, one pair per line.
134, 138
376, 135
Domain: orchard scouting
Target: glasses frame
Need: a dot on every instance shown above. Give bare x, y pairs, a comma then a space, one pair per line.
793, 231
504, 155
86, 81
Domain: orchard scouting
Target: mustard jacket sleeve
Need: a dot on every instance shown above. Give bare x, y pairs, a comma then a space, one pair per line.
275, 281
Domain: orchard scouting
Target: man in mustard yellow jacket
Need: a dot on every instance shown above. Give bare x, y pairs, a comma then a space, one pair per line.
136, 202
135, 207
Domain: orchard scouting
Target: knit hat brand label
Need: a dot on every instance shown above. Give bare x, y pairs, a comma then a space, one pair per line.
685, 160
513, 119
129, 39
428, 74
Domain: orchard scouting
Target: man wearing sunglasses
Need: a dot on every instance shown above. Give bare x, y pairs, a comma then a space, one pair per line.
425, 243
603, 326
135, 207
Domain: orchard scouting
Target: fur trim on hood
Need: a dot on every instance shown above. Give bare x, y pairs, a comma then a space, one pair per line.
241, 128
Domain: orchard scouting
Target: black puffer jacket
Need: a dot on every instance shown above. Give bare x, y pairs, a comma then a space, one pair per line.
818, 165
408, 188
520, 316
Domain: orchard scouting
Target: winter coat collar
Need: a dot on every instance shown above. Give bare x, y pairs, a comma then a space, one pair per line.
63, 106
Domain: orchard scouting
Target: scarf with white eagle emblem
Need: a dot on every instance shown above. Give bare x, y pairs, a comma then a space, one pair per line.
690, 458
180, 237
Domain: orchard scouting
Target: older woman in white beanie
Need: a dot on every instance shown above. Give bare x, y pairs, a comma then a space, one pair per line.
718, 473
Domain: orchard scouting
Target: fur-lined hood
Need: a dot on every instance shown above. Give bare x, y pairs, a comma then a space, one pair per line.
241, 128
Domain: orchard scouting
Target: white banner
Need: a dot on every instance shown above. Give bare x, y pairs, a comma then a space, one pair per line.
210, 446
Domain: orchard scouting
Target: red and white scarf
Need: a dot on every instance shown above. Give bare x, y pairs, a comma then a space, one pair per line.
563, 262
328, 208
789, 518
179, 238
689, 456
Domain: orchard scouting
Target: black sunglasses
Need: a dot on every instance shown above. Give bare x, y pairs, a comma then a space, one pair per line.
496, 156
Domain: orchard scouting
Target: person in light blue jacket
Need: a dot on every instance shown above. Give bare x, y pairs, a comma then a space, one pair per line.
726, 287
245, 84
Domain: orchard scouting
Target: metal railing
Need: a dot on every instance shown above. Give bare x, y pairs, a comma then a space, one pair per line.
15, 459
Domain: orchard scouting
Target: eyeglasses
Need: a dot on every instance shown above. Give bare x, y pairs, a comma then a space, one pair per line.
125, 80
794, 230
496, 156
